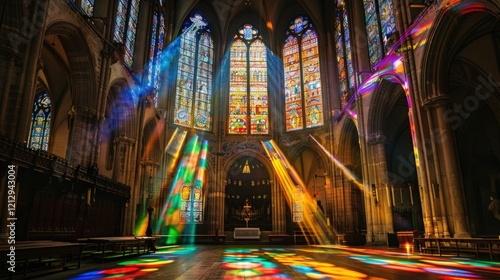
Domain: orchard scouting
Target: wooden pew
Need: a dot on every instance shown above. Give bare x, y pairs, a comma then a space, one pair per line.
39, 252
459, 246
127, 245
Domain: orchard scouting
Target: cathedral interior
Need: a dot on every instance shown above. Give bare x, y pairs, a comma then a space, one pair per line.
346, 121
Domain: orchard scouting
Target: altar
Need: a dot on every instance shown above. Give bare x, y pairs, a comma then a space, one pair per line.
246, 233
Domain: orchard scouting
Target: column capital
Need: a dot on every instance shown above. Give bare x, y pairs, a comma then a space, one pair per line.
150, 163
435, 102
377, 139
124, 139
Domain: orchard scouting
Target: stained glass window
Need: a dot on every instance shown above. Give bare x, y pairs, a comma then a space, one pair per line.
126, 27
193, 107
248, 97
379, 26
40, 122
344, 55
155, 51
191, 204
298, 211
191, 210
387, 22
303, 97
88, 7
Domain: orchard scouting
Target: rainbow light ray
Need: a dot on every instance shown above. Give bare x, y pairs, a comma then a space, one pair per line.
184, 176
344, 169
173, 148
199, 179
313, 220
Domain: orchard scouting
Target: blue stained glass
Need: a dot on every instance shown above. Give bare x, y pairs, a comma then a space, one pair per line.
152, 50
339, 47
40, 122
372, 28
159, 49
204, 83
387, 21
131, 31
125, 27
347, 42
121, 19
298, 25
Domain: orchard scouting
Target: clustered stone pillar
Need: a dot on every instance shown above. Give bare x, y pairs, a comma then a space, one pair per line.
448, 207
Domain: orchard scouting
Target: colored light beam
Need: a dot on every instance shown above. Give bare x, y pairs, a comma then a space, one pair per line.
344, 169
171, 211
173, 148
196, 194
313, 220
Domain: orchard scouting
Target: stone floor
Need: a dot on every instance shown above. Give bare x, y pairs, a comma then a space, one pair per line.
254, 261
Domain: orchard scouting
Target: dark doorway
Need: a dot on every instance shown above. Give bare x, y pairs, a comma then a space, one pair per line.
248, 195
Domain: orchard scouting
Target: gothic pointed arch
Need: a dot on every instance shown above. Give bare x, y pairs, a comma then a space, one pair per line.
80, 63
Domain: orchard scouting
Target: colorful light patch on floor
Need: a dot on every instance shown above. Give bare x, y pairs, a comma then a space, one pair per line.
443, 268
139, 267
315, 269
244, 263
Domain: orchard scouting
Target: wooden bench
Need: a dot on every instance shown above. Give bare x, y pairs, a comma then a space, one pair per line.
459, 246
38, 256
193, 238
123, 245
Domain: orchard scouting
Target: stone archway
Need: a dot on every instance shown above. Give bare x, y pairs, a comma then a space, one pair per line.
248, 195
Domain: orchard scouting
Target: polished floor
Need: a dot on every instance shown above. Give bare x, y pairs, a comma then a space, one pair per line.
283, 262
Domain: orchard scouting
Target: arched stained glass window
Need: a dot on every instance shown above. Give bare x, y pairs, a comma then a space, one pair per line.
248, 97
344, 55
303, 97
126, 27
155, 51
40, 122
298, 210
193, 107
380, 25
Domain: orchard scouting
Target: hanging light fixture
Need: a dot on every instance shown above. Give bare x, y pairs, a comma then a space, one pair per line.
246, 168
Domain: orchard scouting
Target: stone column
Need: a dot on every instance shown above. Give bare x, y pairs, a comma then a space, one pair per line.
436, 200
452, 178
83, 125
383, 181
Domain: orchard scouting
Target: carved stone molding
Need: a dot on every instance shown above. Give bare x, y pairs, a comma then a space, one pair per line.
377, 139
435, 102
